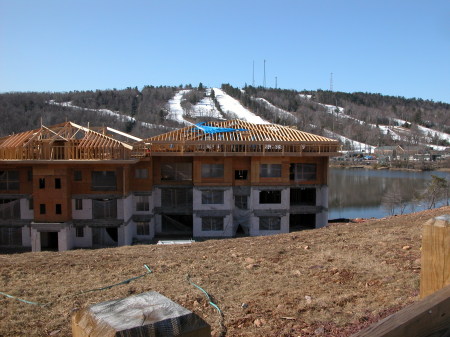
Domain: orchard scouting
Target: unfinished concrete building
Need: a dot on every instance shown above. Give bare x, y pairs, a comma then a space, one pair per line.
69, 186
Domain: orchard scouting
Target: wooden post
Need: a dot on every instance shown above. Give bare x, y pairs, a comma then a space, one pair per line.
435, 272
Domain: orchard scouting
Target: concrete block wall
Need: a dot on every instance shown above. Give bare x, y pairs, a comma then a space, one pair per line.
25, 212
84, 213
85, 241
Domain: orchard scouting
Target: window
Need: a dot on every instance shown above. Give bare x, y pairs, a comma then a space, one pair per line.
212, 223
270, 170
42, 209
77, 176
142, 228
104, 208
57, 183
9, 180
142, 203
30, 203
78, 204
176, 197
103, 181
30, 175
10, 236
79, 232
58, 209
212, 170
176, 171
240, 174
9, 209
212, 197
303, 196
270, 197
240, 201
41, 183
302, 172
269, 223
141, 173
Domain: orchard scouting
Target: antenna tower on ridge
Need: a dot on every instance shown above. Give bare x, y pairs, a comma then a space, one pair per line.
331, 82
276, 82
253, 82
264, 81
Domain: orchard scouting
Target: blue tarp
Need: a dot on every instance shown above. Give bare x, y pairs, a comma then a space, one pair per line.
215, 129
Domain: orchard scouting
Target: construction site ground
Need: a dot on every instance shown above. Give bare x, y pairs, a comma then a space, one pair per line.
326, 282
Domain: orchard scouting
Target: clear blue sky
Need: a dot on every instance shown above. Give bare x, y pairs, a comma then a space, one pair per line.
381, 46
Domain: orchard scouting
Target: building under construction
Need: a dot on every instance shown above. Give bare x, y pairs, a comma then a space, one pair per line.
68, 186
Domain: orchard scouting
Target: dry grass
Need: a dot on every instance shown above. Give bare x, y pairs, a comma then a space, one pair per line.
330, 281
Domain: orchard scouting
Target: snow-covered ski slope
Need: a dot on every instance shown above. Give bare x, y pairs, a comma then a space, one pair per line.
206, 107
176, 111
355, 146
233, 108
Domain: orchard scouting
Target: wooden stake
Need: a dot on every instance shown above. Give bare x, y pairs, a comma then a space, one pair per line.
435, 272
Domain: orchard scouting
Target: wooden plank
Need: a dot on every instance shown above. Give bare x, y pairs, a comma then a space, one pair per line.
435, 271
429, 317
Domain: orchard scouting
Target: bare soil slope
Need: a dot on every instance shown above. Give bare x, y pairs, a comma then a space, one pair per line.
331, 281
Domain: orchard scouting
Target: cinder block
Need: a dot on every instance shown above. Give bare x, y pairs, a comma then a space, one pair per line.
148, 314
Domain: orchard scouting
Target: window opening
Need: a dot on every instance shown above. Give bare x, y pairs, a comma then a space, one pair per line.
141, 173
142, 228
9, 180
58, 209
302, 172
212, 170
303, 196
104, 208
270, 170
57, 183
9, 209
79, 232
42, 209
241, 201
212, 223
212, 197
270, 197
78, 204
240, 174
176, 172
142, 203
41, 183
104, 181
269, 223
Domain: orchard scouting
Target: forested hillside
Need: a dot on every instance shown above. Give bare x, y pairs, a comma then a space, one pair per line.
366, 118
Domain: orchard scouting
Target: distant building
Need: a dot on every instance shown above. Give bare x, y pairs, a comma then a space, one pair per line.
68, 186
389, 152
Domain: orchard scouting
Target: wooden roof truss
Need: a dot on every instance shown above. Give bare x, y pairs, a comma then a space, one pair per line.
63, 141
246, 139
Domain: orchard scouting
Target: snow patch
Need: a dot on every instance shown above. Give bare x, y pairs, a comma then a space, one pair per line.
116, 114
275, 109
176, 111
229, 105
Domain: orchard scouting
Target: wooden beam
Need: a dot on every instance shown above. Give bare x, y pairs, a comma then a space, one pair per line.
429, 317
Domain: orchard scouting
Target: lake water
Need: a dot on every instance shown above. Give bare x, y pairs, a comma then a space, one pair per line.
358, 193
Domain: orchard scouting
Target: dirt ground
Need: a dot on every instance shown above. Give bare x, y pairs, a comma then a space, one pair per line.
326, 282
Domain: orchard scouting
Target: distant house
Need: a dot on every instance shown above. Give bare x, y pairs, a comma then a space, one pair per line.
68, 186
389, 152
